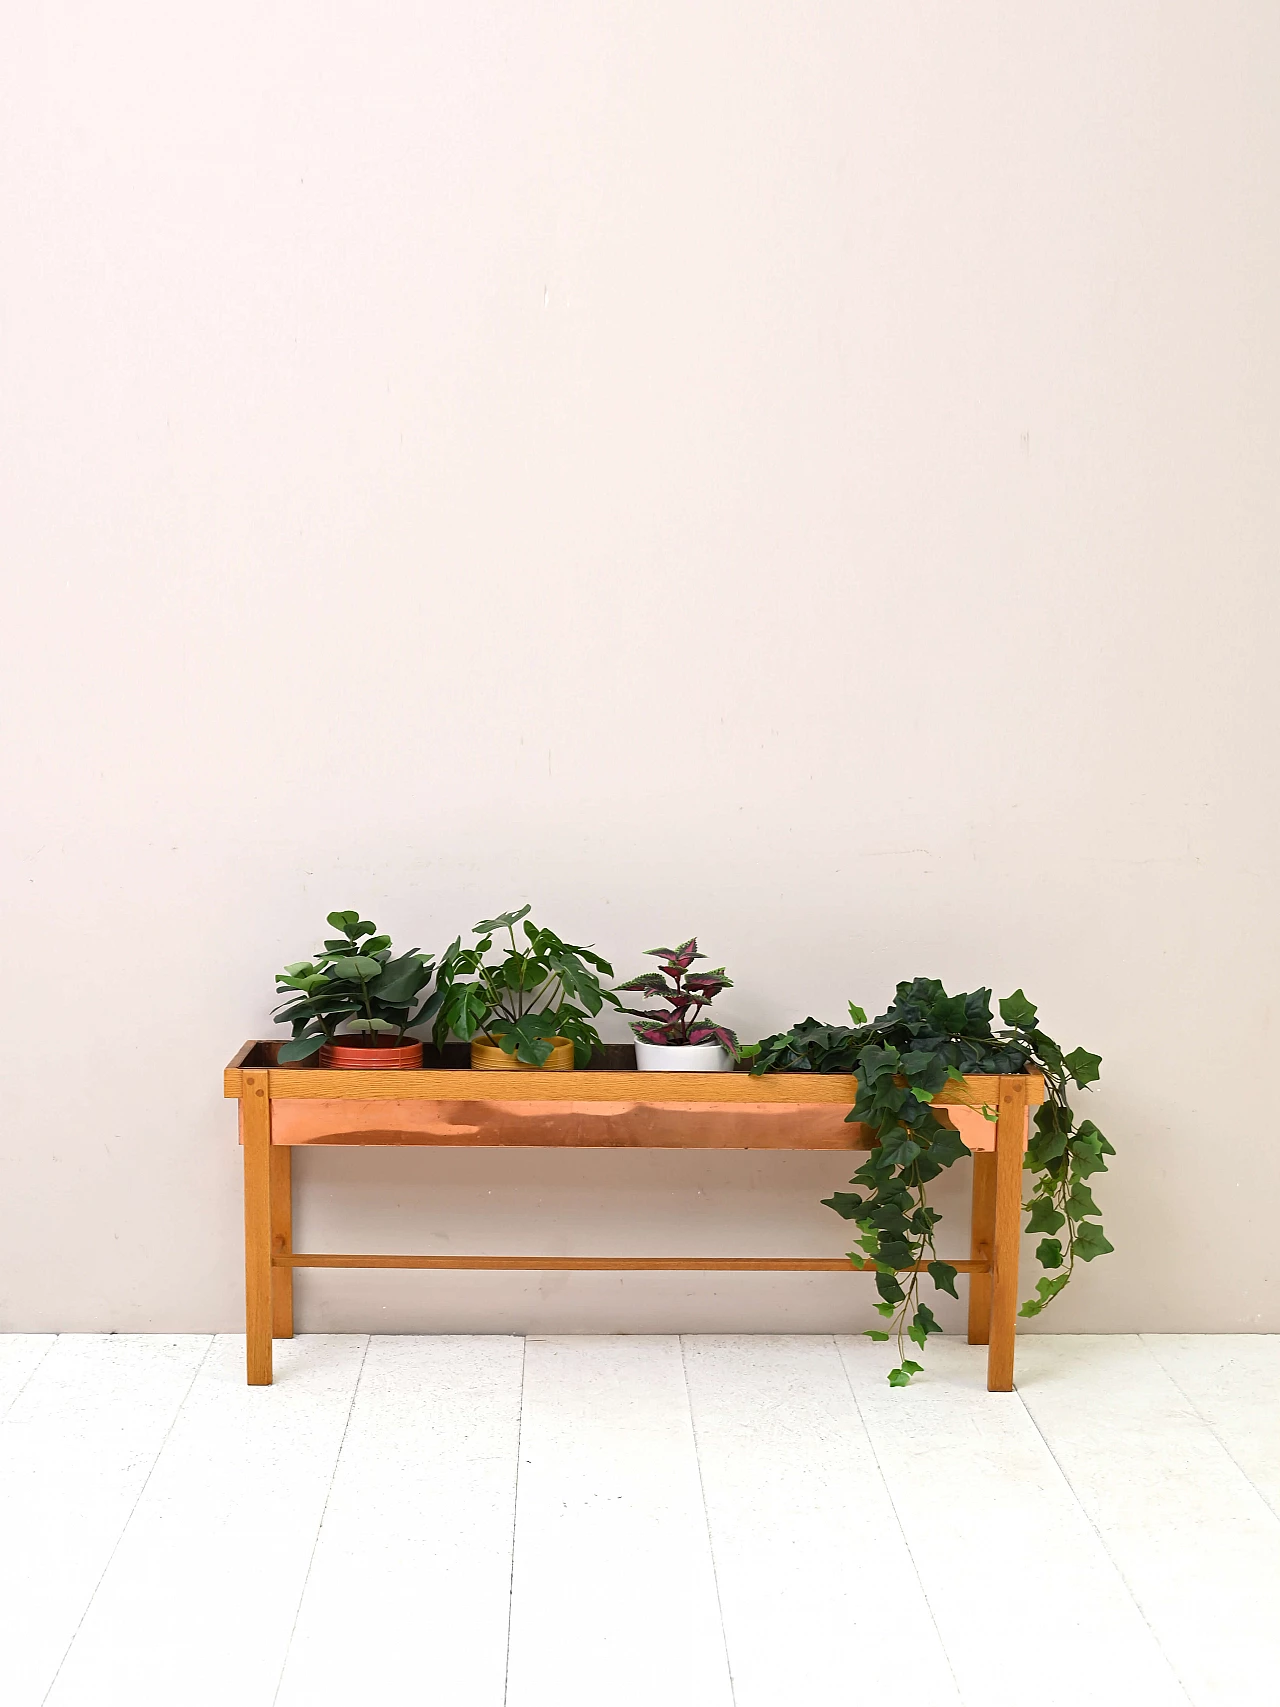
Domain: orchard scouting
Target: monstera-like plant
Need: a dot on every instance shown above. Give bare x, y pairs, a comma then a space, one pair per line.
354, 985
528, 996
677, 1036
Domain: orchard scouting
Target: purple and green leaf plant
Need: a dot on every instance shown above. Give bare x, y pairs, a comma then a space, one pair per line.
686, 994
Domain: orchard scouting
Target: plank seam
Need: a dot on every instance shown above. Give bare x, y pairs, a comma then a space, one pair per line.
1107, 1553
124, 1527
897, 1518
1169, 1375
515, 1512
53, 1340
324, 1510
706, 1518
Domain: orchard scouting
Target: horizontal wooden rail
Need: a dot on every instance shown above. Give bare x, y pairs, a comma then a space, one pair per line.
768, 1265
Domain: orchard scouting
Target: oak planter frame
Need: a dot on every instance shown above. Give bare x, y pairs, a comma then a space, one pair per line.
283, 1107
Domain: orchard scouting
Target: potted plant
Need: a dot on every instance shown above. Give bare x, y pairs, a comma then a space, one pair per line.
678, 1039
530, 1006
902, 1059
355, 983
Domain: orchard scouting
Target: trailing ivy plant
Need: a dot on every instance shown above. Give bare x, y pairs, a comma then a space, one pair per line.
355, 982
531, 991
902, 1059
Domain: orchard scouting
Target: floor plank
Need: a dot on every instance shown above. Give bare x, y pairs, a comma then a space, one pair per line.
20, 1356
409, 1593
1196, 1542
76, 1448
199, 1599
1233, 1381
614, 1594
798, 1511
1028, 1603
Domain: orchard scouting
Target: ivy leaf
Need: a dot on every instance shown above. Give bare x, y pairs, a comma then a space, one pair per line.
1080, 1203
902, 1375
1017, 1011
1091, 1241
944, 1277
1044, 1217
885, 1310
875, 1333
1082, 1066
889, 1288
1046, 1291
946, 1147
1049, 1253
926, 1319
899, 1152
845, 1203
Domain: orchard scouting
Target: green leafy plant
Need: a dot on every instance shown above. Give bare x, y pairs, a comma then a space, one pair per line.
686, 994
902, 1059
355, 982
529, 992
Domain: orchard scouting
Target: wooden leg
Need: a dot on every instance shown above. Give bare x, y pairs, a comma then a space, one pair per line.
981, 1240
281, 1241
1010, 1129
256, 1107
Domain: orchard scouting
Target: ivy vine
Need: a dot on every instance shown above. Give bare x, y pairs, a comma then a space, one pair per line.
902, 1059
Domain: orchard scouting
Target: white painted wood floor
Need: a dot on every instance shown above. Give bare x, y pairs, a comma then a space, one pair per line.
754, 1521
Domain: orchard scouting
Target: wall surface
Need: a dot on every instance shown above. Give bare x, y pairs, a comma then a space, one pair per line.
802, 474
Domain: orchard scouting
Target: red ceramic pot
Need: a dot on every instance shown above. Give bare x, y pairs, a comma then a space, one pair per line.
354, 1052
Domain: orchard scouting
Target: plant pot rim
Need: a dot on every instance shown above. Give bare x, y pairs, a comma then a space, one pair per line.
352, 1052
509, 1063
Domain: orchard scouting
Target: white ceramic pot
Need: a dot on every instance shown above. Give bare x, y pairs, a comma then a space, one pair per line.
683, 1058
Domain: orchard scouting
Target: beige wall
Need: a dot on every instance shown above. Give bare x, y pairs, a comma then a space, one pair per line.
804, 474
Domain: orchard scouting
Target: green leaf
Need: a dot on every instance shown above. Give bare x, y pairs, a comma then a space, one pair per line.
913, 1368
898, 1377
856, 1014
845, 1203
299, 1048
899, 1152
1044, 1217
1080, 1203
504, 921
889, 1288
943, 1276
885, 1310
917, 1334
357, 966
1091, 1241
1046, 1291
989, 1114
1049, 1253
1082, 1066
875, 1333
1017, 1011
925, 1320
946, 1147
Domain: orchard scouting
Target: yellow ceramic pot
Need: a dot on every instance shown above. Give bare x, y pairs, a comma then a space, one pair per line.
488, 1058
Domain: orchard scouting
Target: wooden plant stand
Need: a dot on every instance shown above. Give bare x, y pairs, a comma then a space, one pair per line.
606, 1106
